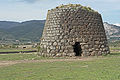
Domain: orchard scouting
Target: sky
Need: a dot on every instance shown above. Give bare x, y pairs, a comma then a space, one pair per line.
23, 10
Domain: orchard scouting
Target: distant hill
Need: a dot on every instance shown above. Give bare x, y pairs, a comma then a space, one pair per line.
112, 31
29, 30
25, 31
32, 31
4, 35
8, 24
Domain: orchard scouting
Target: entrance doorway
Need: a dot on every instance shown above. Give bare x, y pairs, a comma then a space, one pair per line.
77, 49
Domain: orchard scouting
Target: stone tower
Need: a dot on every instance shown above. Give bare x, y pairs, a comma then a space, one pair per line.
73, 30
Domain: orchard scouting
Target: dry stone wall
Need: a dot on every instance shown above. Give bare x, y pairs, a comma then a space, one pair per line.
65, 26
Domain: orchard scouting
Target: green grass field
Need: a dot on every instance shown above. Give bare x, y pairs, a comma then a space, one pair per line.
15, 49
97, 68
104, 69
114, 48
19, 56
34, 56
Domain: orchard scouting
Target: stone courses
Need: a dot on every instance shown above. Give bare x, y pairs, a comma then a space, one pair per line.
65, 26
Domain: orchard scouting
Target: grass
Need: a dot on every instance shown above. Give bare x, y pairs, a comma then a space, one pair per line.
75, 6
20, 56
24, 56
14, 49
114, 48
101, 68
106, 68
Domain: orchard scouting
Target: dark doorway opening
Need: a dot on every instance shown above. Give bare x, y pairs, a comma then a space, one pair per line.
77, 49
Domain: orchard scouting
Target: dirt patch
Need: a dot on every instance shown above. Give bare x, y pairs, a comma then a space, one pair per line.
9, 63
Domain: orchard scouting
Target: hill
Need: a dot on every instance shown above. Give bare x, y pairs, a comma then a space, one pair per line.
112, 31
24, 32
8, 24
29, 30
5, 36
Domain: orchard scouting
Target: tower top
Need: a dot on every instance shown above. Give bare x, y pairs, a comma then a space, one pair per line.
74, 6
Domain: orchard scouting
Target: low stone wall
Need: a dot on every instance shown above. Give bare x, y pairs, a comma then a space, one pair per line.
66, 26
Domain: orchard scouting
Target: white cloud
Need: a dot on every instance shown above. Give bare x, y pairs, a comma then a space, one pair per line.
117, 24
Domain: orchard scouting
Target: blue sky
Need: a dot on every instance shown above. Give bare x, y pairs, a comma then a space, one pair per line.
22, 10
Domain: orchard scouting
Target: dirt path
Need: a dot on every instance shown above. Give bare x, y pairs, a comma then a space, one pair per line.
9, 63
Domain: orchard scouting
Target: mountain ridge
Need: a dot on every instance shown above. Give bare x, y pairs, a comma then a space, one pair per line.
112, 31
8, 24
25, 31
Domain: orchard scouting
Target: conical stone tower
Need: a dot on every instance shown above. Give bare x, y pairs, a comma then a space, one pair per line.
73, 30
